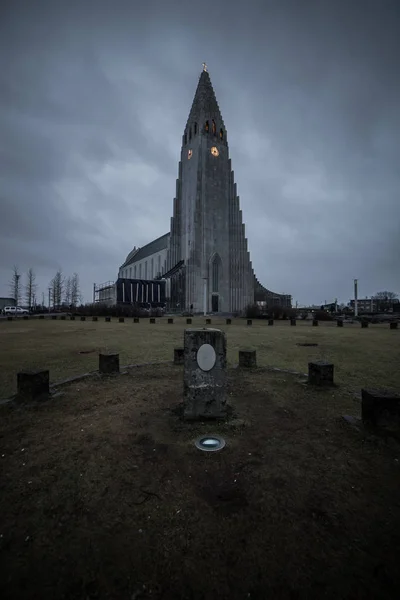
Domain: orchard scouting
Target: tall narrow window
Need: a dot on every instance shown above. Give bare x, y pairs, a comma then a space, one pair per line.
130, 272
185, 139
140, 271
159, 265
221, 134
152, 269
214, 127
145, 269
195, 128
190, 134
134, 272
216, 273
207, 127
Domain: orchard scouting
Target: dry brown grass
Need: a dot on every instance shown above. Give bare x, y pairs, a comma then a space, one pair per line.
105, 496
362, 357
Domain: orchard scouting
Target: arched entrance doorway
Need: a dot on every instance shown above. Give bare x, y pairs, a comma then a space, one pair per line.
216, 273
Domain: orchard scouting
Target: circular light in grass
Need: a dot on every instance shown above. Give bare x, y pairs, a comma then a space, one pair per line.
210, 443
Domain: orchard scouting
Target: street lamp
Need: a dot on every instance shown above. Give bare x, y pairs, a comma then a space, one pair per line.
355, 297
205, 295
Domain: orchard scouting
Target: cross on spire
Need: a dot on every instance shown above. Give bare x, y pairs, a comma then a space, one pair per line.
204, 67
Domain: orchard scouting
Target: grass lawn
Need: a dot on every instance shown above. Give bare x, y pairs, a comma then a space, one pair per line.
362, 357
104, 494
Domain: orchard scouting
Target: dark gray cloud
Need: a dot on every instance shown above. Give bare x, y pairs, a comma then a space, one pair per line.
94, 97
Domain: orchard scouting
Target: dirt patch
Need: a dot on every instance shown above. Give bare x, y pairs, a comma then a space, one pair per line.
104, 495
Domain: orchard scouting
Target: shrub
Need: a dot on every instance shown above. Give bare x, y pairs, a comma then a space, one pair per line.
322, 315
253, 311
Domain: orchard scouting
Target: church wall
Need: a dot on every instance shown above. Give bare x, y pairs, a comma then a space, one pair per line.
147, 268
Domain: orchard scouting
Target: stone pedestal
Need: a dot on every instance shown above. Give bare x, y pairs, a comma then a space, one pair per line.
393, 325
204, 379
249, 322
208, 321
229, 321
339, 323
170, 321
109, 363
270, 322
364, 324
188, 321
320, 373
108, 319
94, 319
293, 322
83, 318
152, 321
32, 385
136, 319
179, 354
247, 359
315, 323
381, 409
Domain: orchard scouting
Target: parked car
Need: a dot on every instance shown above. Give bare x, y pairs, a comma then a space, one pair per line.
15, 310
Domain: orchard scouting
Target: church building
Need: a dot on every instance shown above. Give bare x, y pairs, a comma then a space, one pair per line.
203, 264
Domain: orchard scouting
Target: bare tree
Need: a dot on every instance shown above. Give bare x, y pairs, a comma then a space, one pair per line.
52, 293
30, 287
15, 285
385, 295
75, 289
68, 291
58, 288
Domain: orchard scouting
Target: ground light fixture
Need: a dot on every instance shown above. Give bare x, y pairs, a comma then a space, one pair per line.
210, 443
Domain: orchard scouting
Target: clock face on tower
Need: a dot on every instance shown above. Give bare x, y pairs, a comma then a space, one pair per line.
214, 151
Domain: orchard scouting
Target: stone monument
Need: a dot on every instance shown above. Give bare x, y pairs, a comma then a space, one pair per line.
204, 378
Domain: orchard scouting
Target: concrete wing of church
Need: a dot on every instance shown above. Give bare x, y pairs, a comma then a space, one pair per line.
203, 262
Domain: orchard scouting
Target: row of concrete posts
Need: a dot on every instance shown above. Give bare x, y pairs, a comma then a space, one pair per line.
203, 357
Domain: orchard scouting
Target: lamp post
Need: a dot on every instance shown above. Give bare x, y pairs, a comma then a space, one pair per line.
205, 295
355, 297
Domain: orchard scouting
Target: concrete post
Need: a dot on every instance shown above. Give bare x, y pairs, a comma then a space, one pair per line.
33, 385
320, 373
109, 363
179, 356
381, 409
247, 359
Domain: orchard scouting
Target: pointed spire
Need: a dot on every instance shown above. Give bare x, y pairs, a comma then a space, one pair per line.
205, 105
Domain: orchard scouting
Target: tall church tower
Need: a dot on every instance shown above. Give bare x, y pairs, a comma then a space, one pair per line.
208, 249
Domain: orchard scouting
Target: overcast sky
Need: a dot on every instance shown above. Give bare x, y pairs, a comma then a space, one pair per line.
94, 97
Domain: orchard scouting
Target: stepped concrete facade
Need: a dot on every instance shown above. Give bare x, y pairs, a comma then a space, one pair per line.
204, 259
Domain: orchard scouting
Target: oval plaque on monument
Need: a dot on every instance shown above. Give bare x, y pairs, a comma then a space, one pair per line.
206, 357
